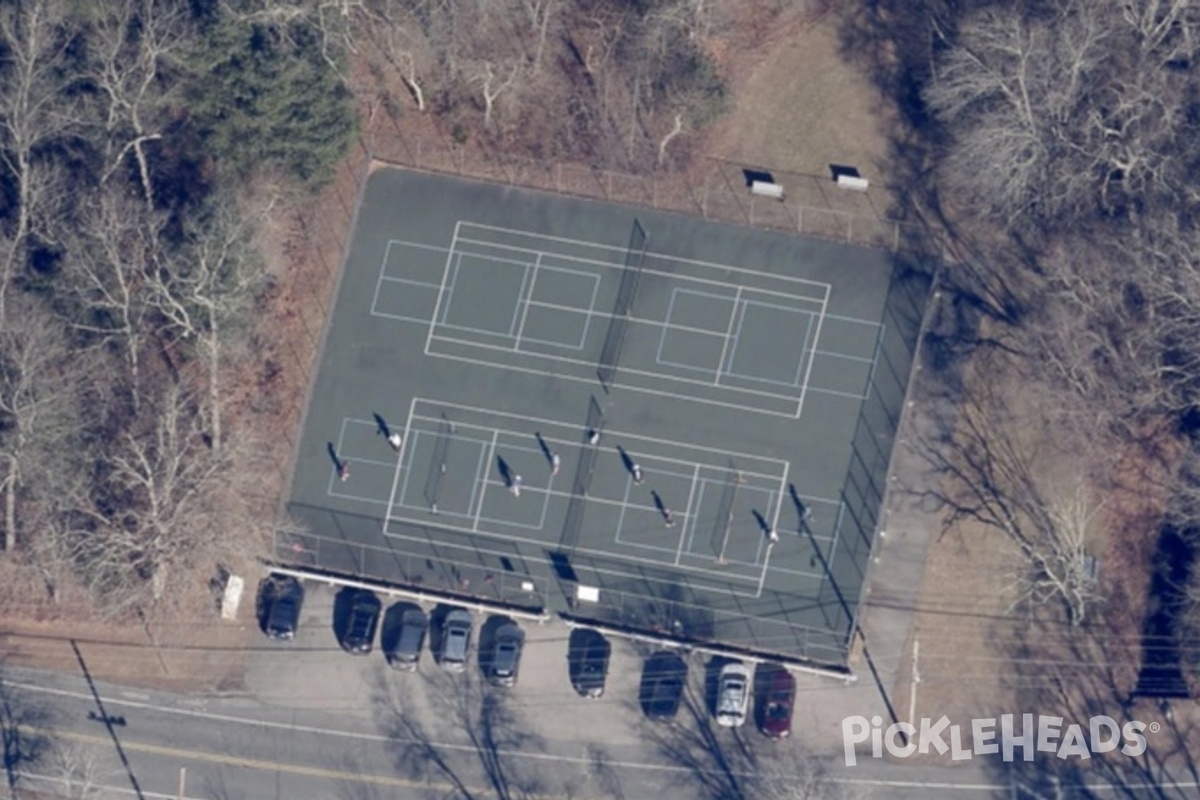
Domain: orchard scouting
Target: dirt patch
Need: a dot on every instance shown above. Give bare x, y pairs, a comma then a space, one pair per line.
799, 107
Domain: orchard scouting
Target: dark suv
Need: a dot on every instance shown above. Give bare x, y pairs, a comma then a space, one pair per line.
362, 619
282, 599
587, 661
663, 680
505, 659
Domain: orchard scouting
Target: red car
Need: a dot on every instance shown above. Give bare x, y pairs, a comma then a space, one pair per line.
775, 704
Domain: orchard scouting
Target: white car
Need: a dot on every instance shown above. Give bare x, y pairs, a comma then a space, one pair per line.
733, 695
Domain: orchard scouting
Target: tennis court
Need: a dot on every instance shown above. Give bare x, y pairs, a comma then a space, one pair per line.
644, 419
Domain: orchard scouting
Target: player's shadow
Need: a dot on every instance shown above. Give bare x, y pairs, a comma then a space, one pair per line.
546, 451
333, 456
626, 459
763, 525
506, 473
382, 427
802, 509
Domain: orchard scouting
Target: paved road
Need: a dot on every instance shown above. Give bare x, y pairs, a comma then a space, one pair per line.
238, 748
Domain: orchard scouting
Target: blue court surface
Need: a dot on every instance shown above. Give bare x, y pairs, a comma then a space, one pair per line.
647, 420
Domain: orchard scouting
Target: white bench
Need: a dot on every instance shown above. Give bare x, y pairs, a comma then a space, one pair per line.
767, 189
852, 182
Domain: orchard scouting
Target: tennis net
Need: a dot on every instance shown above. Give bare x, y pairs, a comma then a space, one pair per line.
618, 324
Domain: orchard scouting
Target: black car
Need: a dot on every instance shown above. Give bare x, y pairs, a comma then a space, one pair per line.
505, 659
282, 599
587, 661
663, 680
362, 619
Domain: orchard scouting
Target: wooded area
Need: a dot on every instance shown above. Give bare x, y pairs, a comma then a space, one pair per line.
1061, 155
130, 134
145, 144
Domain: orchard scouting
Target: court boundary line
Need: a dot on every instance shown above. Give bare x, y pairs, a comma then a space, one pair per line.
445, 249
656, 440
730, 583
586, 362
433, 320
812, 359
650, 270
399, 462
622, 249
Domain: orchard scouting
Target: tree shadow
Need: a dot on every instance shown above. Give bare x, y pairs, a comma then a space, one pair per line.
492, 729
1083, 673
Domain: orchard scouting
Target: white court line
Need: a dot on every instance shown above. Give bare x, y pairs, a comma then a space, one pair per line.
591, 362
590, 379
811, 359
525, 306
402, 318
621, 515
437, 248
518, 308
687, 513
624, 248
379, 281
831, 354
733, 315
399, 463
739, 315
838, 393
411, 282
648, 270
484, 412
482, 472
408, 463
727, 579
445, 277
812, 353
874, 323
444, 249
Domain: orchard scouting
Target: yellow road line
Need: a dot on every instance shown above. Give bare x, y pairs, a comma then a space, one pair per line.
249, 763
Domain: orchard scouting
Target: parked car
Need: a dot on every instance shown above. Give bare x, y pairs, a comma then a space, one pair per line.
664, 677
404, 650
775, 704
456, 640
362, 620
505, 660
733, 694
283, 598
587, 661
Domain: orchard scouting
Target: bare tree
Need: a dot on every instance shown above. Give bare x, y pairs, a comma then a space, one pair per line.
164, 502
135, 42
1060, 110
206, 289
35, 110
37, 409
998, 463
117, 245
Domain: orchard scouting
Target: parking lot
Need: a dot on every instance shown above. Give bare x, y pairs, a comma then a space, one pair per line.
312, 672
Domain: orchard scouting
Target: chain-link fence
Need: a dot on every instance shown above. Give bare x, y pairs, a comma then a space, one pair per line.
813, 205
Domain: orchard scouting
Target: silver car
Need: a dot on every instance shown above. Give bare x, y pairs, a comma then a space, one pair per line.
456, 640
733, 695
